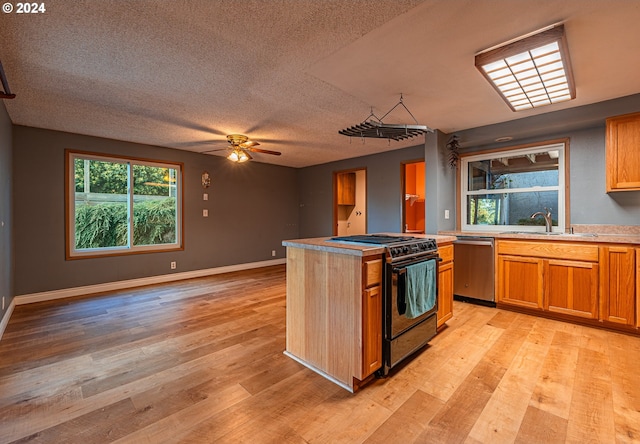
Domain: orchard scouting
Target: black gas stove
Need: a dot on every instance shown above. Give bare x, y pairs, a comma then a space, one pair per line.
398, 247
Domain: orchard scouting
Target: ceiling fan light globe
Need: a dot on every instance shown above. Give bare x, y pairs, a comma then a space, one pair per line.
233, 156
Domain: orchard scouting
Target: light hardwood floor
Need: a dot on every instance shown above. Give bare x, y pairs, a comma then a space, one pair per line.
201, 361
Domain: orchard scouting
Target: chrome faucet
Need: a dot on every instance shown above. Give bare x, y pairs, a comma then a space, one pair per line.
547, 218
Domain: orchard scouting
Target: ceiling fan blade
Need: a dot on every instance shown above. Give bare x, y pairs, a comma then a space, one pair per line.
211, 151
259, 150
248, 144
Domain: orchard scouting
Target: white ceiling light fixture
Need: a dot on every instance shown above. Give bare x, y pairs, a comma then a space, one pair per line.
531, 71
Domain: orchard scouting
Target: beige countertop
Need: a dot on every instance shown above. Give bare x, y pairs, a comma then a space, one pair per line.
583, 233
357, 249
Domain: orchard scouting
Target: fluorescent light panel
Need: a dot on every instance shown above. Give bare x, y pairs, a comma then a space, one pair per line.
531, 72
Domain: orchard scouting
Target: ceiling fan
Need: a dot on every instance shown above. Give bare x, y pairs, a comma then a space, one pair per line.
240, 145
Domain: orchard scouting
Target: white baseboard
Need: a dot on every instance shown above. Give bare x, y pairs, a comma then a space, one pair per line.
7, 315
119, 285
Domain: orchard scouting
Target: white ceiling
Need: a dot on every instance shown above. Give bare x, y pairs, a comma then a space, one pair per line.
291, 73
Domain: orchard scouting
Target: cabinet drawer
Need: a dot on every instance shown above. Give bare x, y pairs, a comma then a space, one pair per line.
551, 250
372, 272
446, 253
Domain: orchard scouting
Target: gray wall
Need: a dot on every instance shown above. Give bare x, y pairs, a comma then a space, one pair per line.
440, 181
252, 208
585, 127
384, 195
6, 268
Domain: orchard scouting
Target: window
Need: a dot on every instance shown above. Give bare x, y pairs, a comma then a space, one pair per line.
122, 205
501, 190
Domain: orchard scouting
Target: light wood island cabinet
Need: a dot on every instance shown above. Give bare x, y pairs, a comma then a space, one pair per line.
372, 316
623, 153
334, 313
445, 284
335, 307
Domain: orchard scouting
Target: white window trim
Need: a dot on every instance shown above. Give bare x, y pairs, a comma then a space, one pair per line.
464, 174
73, 253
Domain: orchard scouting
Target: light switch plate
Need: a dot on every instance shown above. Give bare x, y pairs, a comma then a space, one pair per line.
205, 196
446, 214
205, 213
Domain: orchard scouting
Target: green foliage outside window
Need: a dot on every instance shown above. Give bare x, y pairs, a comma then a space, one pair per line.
105, 224
111, 178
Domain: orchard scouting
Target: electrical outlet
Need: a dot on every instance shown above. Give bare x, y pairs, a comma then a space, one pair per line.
446, 214
205, 213
205, 196
173, 265
273, 253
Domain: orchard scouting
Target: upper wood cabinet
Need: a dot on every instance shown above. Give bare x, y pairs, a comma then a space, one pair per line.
623, 153
346, 184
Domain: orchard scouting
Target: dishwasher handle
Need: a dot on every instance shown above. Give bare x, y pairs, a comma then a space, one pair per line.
487, 243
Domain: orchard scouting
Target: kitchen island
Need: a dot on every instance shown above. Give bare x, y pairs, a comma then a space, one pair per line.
334, 305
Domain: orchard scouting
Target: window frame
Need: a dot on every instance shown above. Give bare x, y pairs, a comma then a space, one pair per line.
70, 250
563, 215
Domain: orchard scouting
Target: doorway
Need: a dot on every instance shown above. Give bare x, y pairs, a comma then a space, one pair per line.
350, 202
413, 195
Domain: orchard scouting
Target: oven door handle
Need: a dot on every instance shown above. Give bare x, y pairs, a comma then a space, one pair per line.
403, 269
401, 301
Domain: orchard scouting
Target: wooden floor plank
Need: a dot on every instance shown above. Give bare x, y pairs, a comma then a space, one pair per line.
539, 426
408, 421
201, 361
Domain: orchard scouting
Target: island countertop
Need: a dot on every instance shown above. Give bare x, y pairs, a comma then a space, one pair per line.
354, 248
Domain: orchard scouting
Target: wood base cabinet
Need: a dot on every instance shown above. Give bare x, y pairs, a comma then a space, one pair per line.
638, 287
571, 288
561, 278
597, 282
520, 281
445, 284
617, 290
372, 317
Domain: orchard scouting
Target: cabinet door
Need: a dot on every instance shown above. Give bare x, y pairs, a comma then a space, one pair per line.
346, 188
637, 287
571, 287
372, 330
445, 293
520, 281
617, 290
623, 153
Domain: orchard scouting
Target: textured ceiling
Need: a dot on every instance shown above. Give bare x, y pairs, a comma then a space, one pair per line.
291, 73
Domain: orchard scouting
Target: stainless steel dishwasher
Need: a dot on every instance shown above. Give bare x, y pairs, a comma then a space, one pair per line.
473, 270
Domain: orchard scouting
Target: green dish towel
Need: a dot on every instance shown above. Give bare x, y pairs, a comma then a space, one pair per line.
421, 288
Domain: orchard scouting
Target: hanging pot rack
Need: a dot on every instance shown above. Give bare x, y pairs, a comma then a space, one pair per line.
6, 92
374, 127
